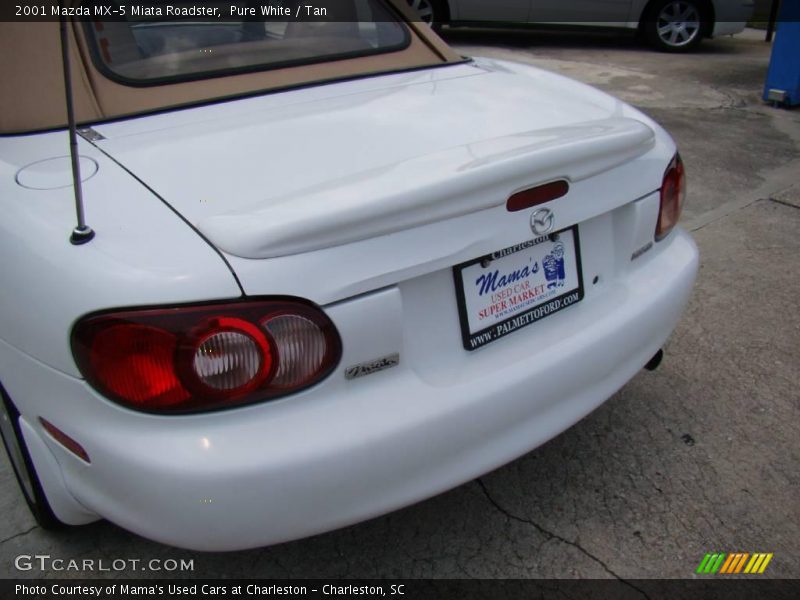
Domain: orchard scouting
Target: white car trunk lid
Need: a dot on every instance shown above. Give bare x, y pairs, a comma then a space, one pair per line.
309, 169
422, 190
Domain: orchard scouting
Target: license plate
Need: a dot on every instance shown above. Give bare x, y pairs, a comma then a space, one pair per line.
517, 286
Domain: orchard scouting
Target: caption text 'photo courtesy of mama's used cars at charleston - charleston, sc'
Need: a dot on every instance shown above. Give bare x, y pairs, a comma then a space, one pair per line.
266, 278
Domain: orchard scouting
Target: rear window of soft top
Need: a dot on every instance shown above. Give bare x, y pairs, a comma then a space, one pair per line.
142, 51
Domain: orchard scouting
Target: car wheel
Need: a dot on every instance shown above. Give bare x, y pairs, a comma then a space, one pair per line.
674, 25
22, 464
431, 12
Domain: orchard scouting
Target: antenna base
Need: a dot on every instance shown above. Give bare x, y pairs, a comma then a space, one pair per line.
81, 235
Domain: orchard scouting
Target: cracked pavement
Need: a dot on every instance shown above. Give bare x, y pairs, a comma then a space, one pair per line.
699, 456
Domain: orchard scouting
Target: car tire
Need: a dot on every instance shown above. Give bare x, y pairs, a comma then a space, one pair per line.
432, 12
675, 25
21, 462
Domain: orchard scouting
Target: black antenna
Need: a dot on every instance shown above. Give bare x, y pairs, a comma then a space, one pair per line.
82, 233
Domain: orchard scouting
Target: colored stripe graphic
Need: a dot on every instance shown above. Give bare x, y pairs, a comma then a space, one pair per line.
726, 566
754, 563
703, 563
711, 563
733, 563
741, 562
765, 563
758, 563
718, 564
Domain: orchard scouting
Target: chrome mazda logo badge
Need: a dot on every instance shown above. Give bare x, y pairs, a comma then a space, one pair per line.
542, 221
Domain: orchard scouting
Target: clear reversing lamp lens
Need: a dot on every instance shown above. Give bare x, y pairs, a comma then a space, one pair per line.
301, 349
228, 360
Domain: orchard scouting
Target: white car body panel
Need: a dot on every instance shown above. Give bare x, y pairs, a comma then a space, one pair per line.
343, 450
423, 173
367, 263
56, 282
424, 190
258, 475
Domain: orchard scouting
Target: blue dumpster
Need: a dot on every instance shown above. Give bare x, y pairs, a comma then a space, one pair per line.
783, 77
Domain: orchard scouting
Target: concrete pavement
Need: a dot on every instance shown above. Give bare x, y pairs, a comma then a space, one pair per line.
696, 457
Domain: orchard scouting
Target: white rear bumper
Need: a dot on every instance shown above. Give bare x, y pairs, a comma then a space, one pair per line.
308, 464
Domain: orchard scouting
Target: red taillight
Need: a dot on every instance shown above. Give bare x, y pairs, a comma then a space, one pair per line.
136, 362
195, 358
673, 194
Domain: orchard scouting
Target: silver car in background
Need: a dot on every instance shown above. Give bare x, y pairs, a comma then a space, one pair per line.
668, 25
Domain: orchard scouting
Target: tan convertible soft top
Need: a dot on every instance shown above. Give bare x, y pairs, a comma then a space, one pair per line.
32, 97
